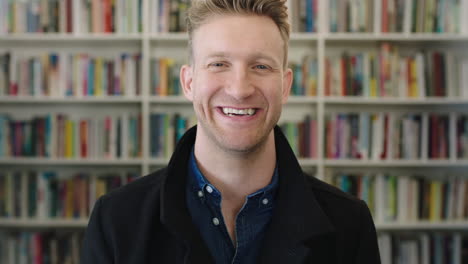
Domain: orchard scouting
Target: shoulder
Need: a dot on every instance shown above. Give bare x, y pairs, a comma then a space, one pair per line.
136, 195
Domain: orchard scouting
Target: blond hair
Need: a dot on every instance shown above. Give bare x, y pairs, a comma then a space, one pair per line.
202, 10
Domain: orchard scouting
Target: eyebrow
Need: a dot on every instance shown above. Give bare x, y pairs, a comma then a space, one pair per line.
255, 56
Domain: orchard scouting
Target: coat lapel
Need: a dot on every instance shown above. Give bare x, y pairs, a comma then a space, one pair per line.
299, 228
174, 212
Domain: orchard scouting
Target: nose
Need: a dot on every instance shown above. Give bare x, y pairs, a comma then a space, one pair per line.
240, 86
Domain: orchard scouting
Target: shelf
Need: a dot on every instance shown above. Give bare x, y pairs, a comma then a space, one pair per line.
303, 36
46, 223
294, 99
394, 163
308, 162
399, 37
169, 37
68, 100
423, 225
158, 162
171, 99
69, 162
393, 101
61, 37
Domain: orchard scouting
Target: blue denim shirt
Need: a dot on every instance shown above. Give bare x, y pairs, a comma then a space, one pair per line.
204, 205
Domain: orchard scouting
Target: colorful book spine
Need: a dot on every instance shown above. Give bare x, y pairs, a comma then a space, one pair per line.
165, 131
70, 75
404, 198
302, 136
59, 136
40, 247
305, 81
388, 73
171, 15
50, 195
351, 15
165, 77
393, 136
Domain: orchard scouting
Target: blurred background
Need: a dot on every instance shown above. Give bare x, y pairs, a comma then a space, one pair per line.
90, 100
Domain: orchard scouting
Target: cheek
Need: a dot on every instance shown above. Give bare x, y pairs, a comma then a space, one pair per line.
205, 87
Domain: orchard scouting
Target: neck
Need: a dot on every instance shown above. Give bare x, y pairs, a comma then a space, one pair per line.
234, 174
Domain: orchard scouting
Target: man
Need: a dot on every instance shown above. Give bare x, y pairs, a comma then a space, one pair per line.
233, 191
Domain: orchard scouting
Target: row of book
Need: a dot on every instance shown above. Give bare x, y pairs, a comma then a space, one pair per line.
305, 79
389, 73
303, 15
421, 16
462, 137
394, 136
65, 75
65, 247
364, 135
109, 16
404, 198
60, 135
423, 248
36, 16
439, 16
351, 15
302, 136
165, 78
53, 195
417, 16
67, 16
169, 15
166, 130
34, 247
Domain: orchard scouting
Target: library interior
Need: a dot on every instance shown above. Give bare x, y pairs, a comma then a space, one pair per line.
90, 100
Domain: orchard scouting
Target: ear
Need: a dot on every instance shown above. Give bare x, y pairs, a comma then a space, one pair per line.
186, 77
287, 84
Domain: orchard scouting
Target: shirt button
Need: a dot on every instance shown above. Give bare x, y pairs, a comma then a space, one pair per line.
215, 221
265, 201
200, 194
209, 189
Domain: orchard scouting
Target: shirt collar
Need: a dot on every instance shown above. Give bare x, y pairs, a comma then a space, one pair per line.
199, 182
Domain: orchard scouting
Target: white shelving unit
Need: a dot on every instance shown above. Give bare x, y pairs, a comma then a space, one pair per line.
174, 45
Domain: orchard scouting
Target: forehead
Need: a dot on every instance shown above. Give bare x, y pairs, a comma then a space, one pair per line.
238, 35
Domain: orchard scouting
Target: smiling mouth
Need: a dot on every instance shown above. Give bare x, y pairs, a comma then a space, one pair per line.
238, 112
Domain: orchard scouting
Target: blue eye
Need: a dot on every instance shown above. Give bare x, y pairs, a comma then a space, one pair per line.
261, 67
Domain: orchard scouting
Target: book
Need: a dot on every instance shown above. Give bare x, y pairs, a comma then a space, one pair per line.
40, 246
60, 74
401, 198
165, 131
60, 136
351, 16
302, 136
390, 74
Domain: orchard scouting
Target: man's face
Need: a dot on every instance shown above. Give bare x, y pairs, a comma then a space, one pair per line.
237, 82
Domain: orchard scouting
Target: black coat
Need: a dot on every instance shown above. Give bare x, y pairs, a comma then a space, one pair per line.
147, 221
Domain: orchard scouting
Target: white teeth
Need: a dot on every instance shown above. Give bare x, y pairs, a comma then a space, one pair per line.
231, 111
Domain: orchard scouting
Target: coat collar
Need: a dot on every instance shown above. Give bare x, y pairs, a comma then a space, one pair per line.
298, 222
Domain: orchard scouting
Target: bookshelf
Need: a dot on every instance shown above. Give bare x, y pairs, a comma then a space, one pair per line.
320, 44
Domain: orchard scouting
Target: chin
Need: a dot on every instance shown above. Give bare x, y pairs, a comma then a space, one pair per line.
234, 145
